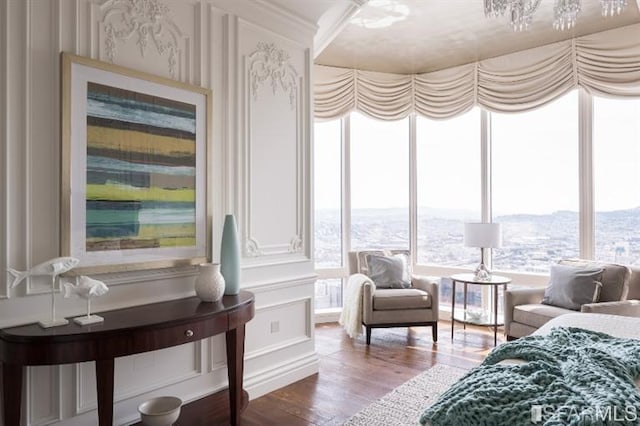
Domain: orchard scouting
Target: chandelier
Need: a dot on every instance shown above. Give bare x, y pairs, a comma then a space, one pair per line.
565, 12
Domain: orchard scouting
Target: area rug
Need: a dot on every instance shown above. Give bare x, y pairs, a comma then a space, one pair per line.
404, 405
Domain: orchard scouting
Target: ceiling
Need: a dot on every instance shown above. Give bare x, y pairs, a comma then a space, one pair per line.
415, 36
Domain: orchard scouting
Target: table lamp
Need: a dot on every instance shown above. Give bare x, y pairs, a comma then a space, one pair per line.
483, 235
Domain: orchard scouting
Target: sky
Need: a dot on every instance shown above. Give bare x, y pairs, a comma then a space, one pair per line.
534, 160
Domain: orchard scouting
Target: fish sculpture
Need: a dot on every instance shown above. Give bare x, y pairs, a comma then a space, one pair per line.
85, 288
52, 267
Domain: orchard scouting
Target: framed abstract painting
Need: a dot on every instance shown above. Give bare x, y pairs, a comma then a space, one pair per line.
134, 168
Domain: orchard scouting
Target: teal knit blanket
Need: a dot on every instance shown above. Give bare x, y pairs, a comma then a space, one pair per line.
572, 377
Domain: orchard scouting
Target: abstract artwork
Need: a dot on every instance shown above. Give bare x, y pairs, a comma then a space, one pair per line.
136, 153
141, 164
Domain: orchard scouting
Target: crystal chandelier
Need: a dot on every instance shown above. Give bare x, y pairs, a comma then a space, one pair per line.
612, 7
565, 12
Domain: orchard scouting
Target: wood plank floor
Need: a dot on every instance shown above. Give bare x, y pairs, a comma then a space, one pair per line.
352, 375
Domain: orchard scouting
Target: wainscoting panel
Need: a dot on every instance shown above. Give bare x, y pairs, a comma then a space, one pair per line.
217, 353
141, 373
43, 385
272, 155
271, 330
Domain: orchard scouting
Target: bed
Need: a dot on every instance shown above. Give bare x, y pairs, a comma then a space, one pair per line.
628, 327
576, 369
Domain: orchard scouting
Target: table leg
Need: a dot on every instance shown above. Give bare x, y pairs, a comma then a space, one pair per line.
464, 324
235, 366
453, 305
104, 386
495, 314
12, 393
504, 295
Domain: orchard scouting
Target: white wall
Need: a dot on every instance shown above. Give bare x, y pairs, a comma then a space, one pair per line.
261, 168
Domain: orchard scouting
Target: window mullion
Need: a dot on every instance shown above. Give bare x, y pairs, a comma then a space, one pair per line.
585, 167
346, 190
485, 191
485, 169
413, 191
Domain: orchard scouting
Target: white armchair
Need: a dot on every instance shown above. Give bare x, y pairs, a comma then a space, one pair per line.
395, 307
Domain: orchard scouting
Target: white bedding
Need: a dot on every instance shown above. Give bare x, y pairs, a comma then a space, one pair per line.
614, 325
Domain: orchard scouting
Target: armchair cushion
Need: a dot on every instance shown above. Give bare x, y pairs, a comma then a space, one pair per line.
571, 287
389, 271
408, 298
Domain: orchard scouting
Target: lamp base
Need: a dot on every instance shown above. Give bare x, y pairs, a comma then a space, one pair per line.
482, 273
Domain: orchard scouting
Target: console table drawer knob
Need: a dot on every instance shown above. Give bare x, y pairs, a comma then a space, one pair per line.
188, 333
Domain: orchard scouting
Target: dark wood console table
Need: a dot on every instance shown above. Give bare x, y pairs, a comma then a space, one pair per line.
125, 332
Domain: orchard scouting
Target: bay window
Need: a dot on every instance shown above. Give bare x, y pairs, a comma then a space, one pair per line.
563, 180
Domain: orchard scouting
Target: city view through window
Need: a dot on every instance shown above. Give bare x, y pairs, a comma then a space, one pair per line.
535, 175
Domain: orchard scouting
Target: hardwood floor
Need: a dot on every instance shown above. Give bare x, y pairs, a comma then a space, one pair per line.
352, 375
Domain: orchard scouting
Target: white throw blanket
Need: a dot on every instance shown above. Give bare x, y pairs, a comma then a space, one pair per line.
351, 316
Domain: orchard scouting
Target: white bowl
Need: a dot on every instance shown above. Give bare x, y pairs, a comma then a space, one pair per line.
160, 411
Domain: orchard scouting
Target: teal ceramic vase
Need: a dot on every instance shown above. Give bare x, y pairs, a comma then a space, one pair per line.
230, 256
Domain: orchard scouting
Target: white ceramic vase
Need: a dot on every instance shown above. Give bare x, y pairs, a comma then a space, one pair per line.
210, 283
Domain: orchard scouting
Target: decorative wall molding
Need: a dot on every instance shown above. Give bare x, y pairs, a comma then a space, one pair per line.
253, 248
326, 33
42, 127
54, 394
265, 286
150, 275
270, 63
306, 301
83, 405
4, 177
289, 371
147, 20
217, 353
280, 346
296, 245
28, 146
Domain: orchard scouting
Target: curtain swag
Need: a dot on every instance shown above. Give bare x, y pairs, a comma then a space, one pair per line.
606, 63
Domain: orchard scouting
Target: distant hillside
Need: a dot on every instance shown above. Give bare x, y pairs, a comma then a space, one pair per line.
465, 215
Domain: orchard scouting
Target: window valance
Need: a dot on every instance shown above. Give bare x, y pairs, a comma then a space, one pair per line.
605, 63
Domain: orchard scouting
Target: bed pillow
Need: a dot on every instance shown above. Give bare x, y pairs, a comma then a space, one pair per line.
389, 271
570, 287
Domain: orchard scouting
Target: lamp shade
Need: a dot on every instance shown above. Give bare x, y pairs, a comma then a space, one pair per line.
484, 235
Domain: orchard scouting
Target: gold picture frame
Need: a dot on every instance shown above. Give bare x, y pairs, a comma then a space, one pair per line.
135, 172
